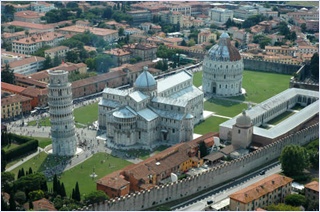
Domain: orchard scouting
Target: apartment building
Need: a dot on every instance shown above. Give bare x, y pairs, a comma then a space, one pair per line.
9, 37
14, 105
305, 15
284, 50
271, 190
312, 25
27, 16
30, 45
220, 16
140, 16
146, 51
27, 65
307, 49
107, 34
29, 26
60, 51
119, 56
41, 6
206, 36
184, 9
312, 191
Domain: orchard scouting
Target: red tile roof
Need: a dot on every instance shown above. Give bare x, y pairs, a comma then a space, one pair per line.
13, 88
40, 205
314, 185
14, 99
26, 61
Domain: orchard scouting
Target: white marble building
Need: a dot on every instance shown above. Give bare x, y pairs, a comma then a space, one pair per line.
152, 111
222, 69
60, 103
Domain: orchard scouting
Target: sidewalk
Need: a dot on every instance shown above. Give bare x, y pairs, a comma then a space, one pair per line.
24, 160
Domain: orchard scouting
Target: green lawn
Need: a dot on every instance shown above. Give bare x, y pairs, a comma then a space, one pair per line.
280, 118
211, 124
43, 142
9, 146
224, 107
100, 162
261, 86
83, 115
197, 78
297, 107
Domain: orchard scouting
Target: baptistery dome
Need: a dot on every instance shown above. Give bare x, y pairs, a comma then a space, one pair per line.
224, 51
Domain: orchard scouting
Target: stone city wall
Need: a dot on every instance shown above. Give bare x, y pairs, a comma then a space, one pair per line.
212, 177
261, 65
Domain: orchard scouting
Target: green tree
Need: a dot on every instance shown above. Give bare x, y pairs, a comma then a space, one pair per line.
3, 160
30, 205
183, 43
303, 27
63, 190
295, 200
314, 66
121, 31
293, 160
282, 207
58, 202
36, 195
40, 52
72, 56
30, 182
7, 75
20, 197
95, 197
191, 42
30, 170
77, 195
4, 204
56, 60
12, 203
7, 179
47, 63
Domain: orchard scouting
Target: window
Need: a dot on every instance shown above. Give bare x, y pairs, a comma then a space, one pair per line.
238, 131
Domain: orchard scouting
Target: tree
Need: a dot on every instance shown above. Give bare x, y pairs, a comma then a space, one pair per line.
3, 160
293, 160
58, 202
30, 170
282, 207
303, 27
20, 197
95, 197
6, 181
12, 203
63, 190
314, 66
76, 195
47, 63
30, 182
30, 205
183, 43
4, 204
36, 195
55, 183
121, 31
72, 56
295, 200
7, 75
56, 60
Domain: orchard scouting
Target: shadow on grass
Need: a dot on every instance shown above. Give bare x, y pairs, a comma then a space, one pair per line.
222, 102
54, 164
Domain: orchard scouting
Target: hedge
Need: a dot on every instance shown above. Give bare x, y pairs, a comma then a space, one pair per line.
20, 139
30, 146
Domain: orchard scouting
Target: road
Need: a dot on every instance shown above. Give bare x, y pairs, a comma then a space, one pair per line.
222, 192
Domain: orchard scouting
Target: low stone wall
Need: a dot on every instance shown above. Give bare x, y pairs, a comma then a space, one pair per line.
212, 177
261, 65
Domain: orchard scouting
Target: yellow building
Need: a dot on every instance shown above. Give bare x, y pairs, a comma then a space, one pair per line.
272, 189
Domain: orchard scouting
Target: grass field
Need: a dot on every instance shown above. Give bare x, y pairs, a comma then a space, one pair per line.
43, 142
82, 116
9, 146
100, 162
224, 107
261, 86
280, 118
211, 124
197, 79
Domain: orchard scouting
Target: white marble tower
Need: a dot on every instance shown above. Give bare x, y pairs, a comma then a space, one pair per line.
63, 136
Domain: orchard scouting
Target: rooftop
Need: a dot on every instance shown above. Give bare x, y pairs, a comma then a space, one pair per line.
314, 185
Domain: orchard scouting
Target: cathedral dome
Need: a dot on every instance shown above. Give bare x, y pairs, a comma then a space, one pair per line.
243, 120
224, 51
145, 80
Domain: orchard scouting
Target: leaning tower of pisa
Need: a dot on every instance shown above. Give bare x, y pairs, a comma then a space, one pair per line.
63, 136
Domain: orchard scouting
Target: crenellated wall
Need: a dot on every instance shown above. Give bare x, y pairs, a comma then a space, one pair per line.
212, 177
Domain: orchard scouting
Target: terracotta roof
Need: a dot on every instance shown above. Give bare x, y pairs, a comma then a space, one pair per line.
29, 81
39, 37
33, 92
258, 189
96, 31
314, 185
20, 33
40, 205
39, 75
13, 88
14, 99
27, 14
29, 25
26, 61
117, 52
113, 180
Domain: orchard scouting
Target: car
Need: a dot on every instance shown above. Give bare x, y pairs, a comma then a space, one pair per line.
262, 172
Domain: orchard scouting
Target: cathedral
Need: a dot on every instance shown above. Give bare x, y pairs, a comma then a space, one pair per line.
152, 112
222, 69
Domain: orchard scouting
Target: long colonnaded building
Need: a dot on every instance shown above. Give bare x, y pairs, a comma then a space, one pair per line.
152, 111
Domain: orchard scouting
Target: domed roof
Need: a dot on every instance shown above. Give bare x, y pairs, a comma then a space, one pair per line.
243, 120
224, 51
145, 80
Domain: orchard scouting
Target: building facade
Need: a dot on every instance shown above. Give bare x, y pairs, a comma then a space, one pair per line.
220, 16
271, 190
152, 111
222, 69
63, 136
312, 191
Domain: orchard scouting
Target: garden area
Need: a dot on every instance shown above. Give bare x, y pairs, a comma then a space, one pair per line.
210, 124
83, 116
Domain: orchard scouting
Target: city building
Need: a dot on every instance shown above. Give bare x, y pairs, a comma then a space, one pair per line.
155, 170
206, 36
27, 16
28, 26
220, 16
312, 191
151, 112
119, 56
41, 6
139, 16
312, 25
146, 51
14, 105
60, 51
107, 34
30, 45
271, 190
242, 131
27, 65
63, 135
222, 69
9, 37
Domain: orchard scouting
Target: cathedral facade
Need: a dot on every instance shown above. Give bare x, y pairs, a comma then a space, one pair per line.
152, 111
222, 69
